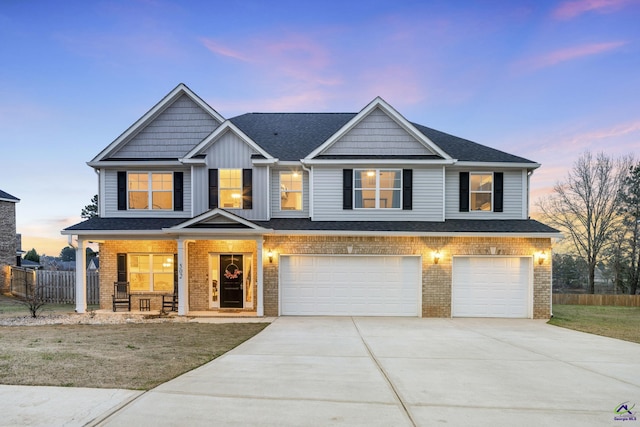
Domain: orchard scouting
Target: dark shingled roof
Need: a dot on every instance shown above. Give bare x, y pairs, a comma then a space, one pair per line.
448, 226
303, 224
7, 196
292, 136
116, 224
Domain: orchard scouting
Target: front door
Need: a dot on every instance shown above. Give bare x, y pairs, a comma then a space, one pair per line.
231, 281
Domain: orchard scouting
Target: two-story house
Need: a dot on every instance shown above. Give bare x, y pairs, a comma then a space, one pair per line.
314, 214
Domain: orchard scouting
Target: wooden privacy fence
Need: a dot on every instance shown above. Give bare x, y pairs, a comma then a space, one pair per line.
57, 287
595, 299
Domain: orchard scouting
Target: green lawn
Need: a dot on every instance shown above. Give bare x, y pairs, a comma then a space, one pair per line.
615, 322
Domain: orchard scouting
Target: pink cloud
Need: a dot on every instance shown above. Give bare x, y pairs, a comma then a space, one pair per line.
571, 9
218, 49
569, 54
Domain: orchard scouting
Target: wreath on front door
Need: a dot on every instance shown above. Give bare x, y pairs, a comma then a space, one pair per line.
234, 273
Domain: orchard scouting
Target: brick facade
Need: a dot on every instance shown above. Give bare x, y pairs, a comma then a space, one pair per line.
436, 278
7, 242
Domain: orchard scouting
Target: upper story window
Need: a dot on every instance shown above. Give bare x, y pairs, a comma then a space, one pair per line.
290, 191
150, 190
230, 186
480, 191
377, 188
151, 272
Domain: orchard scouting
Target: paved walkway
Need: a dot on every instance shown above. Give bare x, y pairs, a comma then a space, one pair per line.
397, 372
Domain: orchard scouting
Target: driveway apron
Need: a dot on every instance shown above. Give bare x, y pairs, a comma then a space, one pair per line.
312, 371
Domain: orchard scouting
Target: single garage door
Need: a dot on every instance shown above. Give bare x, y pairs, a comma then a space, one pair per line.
350, 285
491, 287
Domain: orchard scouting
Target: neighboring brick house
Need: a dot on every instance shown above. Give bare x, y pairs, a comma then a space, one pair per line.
8, 241
315, 214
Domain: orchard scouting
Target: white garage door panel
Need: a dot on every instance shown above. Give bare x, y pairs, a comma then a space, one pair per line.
350, 285
491, 287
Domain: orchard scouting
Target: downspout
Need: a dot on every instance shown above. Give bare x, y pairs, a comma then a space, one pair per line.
310, 172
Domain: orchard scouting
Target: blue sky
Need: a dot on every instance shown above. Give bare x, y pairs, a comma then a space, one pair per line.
545, 80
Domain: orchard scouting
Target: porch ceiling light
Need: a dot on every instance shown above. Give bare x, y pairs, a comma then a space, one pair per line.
436, 257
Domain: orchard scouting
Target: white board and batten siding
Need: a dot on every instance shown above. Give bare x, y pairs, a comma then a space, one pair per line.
174, 132
276, 212
109, 192
350, 285
377, 134
427, 197
514, 204
231, 152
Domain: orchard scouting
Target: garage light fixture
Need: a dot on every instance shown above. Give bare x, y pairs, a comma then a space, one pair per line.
436, 257
542, 256
270, 256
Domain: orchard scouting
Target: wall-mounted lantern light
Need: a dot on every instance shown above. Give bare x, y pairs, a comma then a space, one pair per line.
542, 256
436, 257
270, 256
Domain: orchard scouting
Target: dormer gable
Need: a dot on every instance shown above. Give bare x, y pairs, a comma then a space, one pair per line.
378, 130
199, 152
167, 131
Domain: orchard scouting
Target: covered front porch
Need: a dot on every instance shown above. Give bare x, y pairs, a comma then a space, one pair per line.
211, 264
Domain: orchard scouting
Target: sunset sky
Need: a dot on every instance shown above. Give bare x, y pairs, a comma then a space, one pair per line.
540, 79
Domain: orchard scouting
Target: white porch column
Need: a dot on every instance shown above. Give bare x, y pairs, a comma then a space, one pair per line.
259, 279
183, 273
81, 278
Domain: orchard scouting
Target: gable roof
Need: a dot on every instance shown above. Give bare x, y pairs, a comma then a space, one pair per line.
379, 103
152, 114
6, 197
227, 126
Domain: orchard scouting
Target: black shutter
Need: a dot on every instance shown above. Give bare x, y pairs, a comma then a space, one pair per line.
122, 267
213, 188
178, 204
175, 274
464, 191
122, 191
407, 189
347, 189
247, 201
498, 186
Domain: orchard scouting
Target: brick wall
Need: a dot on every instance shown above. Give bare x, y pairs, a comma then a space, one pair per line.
436, 278
7, 243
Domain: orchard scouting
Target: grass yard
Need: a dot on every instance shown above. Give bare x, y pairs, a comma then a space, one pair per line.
131, 356
11, 307
615, 322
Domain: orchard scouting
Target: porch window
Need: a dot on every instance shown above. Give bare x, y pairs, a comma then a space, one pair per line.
150, 190
230, 188
151, 272
377, 188
480, 191
291, 191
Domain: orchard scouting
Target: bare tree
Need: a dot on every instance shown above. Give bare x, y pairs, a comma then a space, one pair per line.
584, 205
629, 208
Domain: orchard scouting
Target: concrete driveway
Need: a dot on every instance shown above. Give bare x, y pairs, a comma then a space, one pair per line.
402, 372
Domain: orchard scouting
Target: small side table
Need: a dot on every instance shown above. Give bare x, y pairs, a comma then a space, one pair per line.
145, 304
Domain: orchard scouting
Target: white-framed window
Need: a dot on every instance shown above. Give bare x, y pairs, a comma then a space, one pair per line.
291, 191
480, 191
150, 190
377, 188
151, 272
230, 188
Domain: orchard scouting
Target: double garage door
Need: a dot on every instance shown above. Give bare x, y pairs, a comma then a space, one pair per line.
350, 285
353, 285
